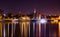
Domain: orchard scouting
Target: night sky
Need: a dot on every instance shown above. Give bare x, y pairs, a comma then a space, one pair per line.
26, 7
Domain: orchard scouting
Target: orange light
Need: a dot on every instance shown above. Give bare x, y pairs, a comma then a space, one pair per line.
55, 20
59, 17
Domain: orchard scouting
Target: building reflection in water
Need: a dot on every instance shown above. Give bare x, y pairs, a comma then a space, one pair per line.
53, 29
59, 29
6, 30
29, 29
24, 28
38, 30
0, 29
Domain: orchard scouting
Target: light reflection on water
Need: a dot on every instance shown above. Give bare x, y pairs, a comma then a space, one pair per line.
30, 29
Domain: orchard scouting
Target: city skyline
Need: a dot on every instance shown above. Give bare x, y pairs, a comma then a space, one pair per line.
29, 18
43, 7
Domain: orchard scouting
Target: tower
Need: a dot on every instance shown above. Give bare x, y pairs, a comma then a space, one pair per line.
34, 14
34, 11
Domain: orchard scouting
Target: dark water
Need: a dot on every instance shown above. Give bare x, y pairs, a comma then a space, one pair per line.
29, 29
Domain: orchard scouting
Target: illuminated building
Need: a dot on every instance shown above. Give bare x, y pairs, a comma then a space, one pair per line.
1, 15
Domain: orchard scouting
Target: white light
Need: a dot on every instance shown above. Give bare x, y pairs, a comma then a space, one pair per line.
15, 21
43, 21
4, 31
4, 14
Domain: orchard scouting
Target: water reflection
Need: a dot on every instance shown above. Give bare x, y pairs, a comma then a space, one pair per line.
0, 29
24, 28
59, 29
29, 29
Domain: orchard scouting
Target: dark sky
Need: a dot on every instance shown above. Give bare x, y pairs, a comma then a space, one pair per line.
27, 6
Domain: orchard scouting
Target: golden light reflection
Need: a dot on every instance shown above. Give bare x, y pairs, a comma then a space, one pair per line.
24, 28
59, 18
0, 29
38, 30
59, 28
54, 21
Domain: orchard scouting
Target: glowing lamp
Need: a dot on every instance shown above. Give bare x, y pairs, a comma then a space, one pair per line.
43, 21
4, 14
